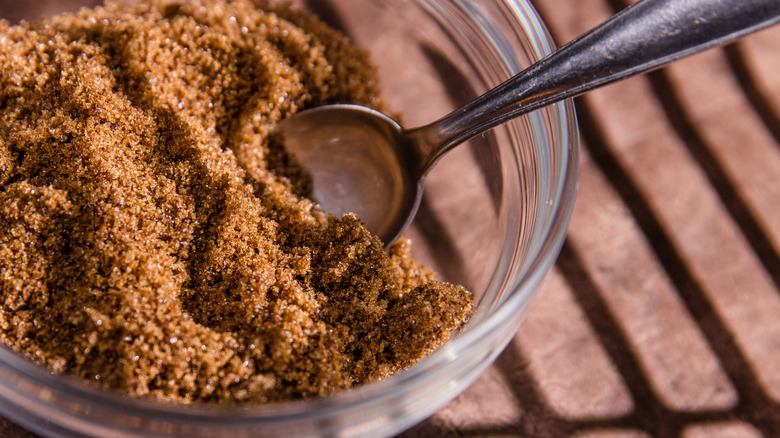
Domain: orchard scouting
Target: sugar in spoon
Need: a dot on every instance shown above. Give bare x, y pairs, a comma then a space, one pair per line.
362, 161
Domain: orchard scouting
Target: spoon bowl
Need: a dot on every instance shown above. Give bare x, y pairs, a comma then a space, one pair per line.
361, 161
358, 163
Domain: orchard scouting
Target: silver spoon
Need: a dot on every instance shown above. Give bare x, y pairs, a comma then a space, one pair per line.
362, 161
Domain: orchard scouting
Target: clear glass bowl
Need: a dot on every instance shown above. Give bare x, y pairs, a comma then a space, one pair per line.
493, 218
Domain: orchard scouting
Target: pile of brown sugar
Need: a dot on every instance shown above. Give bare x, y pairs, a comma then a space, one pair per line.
154, 240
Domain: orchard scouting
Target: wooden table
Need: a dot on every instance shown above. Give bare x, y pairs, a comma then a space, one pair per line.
662, 315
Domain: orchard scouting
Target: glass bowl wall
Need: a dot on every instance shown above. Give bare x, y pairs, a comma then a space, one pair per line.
493, 218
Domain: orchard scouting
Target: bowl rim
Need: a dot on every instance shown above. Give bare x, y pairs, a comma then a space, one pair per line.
377, 393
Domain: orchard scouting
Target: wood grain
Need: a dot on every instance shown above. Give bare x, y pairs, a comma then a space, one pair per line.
662, 315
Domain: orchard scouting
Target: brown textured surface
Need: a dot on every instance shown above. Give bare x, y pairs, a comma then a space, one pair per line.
662, 316
151, 236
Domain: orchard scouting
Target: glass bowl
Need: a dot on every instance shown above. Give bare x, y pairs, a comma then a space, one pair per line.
493, 218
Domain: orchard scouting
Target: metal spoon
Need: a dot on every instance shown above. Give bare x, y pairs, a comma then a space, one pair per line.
363, 162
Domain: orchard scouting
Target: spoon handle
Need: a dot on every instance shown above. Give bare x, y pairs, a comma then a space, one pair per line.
641, 37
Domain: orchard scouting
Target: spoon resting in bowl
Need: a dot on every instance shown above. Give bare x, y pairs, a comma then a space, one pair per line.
362, 161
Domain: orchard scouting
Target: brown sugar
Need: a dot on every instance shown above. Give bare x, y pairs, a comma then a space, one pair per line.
154, 240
